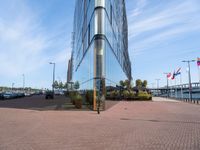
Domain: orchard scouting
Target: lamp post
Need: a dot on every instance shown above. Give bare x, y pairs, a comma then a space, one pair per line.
54, 65
13, 86
189, 77
23, 76
157, 85
166, 73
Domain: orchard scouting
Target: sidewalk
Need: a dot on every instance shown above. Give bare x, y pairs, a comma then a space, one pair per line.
160, 99
157, 125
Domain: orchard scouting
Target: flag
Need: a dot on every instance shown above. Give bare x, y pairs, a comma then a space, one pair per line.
169, 75
178, 72
198, 61
173, 76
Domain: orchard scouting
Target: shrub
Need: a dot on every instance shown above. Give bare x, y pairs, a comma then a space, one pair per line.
126, 94
114, 94
72, 95
131, 95
144, 96
89, 97
78, 101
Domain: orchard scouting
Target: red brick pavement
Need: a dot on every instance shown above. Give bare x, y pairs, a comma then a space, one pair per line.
125, 126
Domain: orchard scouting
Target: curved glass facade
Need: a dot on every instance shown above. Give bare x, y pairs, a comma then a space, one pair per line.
100, 44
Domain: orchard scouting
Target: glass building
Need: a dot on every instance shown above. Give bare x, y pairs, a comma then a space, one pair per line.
100, 55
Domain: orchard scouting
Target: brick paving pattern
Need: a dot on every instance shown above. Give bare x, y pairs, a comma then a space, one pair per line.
158, 125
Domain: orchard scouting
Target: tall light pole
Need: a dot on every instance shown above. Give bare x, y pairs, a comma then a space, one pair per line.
189, 76
54, 65
13, 86
23, 76
157, 85
166, 73
152, 85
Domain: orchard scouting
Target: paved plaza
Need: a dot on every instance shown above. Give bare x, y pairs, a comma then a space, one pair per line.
157, 125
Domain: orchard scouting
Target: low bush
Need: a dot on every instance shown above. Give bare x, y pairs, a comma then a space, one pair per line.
78, 101
89, 97
126, 94
144, 96
131, 95
114, 95
72, 95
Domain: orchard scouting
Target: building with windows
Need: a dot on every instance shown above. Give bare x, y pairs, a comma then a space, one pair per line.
100, 45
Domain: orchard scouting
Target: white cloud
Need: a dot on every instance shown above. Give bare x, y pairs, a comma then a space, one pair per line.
63, 56
24, 44
167, 22
140, 5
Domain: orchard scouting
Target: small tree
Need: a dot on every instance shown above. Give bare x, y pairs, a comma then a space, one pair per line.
60, 85
138, 83
121, 83
76, 85
144, 83
127, 84
55, 85
66, 86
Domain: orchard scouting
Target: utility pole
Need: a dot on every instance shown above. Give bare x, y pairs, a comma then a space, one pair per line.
23, 81
189, 77
13, 86
157, 85
54, 65
166, 73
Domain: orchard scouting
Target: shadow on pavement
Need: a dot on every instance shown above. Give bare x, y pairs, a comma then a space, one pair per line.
161, 121
41, 104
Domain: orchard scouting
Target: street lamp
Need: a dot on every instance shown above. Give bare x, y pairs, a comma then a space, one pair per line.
189, 76
23, 76
167, 73
54, 65
157, 85
13, 86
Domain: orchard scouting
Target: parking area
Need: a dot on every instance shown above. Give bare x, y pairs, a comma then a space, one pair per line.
38, 102
125, 126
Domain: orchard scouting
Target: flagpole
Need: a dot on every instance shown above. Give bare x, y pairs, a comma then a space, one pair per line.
198, 67
199, 72
181, 86
175, 89
171, 88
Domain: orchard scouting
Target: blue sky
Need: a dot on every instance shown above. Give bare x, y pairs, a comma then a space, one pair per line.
34, 32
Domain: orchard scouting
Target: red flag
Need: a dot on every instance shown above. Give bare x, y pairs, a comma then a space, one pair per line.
198, 61
169, 75
174, 74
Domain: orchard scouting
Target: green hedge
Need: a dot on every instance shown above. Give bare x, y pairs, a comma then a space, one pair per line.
89, 97
129, 95
144, 96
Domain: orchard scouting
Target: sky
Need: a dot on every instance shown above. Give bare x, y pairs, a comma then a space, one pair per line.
35, 32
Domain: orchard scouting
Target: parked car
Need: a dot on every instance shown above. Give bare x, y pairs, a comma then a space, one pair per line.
20, 95
8, 95
1, 96
27, 94
58, 92
49, 95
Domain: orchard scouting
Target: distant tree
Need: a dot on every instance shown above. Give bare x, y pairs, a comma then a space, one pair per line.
138, 83
56, 85
60, 85
121, 83
127, 84
76, 85
144, 83
66, 86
